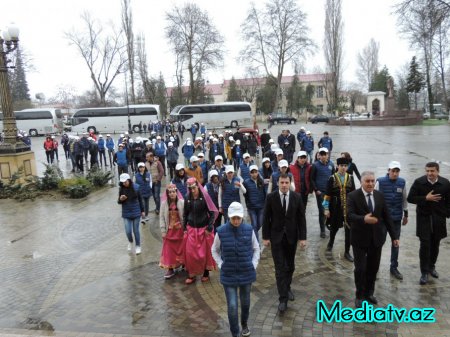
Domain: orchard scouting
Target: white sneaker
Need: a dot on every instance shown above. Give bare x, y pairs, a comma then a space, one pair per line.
138, 250
130, 245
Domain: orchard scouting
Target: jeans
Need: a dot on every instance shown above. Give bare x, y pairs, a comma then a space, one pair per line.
156, 191
256, 217
232, 304
394, 250
319, 199
132, 225
146, 201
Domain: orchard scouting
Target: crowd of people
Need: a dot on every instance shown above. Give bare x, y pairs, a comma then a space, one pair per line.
202, 217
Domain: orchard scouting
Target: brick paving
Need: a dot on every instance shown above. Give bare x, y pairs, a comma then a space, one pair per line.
65, 271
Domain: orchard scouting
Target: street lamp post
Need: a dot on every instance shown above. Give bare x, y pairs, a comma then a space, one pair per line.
13, 155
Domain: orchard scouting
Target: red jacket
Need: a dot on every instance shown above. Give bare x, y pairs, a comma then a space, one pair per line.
295, 170
48, 145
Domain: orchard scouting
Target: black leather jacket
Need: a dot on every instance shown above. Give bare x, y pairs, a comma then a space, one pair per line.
197, 214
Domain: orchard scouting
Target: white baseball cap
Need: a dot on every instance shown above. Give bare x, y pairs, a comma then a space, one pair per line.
323, 149
283, 163
235, 209
218, 157
189, 143
231, 138
238, 142
158, 137
278, 151
201, 154
193, 158
394, 164
100, 136
141, 164
308, 132
246, 155
170, 144
179, 167
108, 135
124, 177
215, 140
212, 173
253, 167
265, 159
229, 168
301, 153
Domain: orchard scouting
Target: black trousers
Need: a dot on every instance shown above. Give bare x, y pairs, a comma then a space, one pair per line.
367, 263
428, 252
333, 233
304, 199
283, 255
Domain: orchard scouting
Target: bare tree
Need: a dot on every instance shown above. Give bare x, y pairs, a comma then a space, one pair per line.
333, 44
442, 51
142, 69
368, 63
419, 21
127, 26
275, 36
103, 52
196, 43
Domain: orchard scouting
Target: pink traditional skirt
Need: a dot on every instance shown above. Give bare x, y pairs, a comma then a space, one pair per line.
172, 252
198, 255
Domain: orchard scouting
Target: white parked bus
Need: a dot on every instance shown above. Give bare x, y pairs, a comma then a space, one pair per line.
36, 122
113, 119
227, 114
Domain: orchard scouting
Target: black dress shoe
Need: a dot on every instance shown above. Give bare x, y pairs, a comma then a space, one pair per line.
322, 235
358, 303
372, 299
291, 296
434, 273
348, 257
397, 274
329, 248
424, 279
282, 307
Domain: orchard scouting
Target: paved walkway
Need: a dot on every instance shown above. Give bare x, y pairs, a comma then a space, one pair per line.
65, 271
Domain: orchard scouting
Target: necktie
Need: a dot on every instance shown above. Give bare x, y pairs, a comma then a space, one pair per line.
284, 203
369, 202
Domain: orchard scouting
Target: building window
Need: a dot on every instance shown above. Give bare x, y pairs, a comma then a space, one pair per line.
319, 92
319, 107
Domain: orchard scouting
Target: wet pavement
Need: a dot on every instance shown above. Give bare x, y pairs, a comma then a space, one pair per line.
65, 270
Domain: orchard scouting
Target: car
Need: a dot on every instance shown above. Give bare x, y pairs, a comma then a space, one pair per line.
426, 115
440, 116
353, 116
277, 118
319, 119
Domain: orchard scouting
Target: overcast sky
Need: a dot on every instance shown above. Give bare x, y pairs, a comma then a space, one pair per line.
42, 25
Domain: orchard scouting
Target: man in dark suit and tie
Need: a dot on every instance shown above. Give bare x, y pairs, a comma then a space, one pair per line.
284, 224
369, 219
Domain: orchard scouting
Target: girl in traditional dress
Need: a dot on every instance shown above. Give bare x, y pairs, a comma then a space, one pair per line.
170, 223
199, 216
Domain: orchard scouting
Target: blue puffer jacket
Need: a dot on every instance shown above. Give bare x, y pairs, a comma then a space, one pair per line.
237, 253
229, 192
101, 144
245, 170
214, 196
122, 158
322, 174
143, 180
307, 144
181, 185
188, 151
393, 194
133, 206
255, 197
110, 144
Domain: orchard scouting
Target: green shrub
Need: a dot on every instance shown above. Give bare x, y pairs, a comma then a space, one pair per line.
99, 178
75, 188
52, 176
13, 189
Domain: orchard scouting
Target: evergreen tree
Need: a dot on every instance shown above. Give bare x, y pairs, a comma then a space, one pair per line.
402, 96
379, 81
295, 96
415, 80
160, 97
309, 94
266, 96
234, 93
19, 85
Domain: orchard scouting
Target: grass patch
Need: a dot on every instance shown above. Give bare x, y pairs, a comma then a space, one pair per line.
431, 122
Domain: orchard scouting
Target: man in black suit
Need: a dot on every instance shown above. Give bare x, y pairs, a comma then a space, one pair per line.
431, 194
284, 224
369, 219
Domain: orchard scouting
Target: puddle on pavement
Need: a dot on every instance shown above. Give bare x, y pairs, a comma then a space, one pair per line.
34, 255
